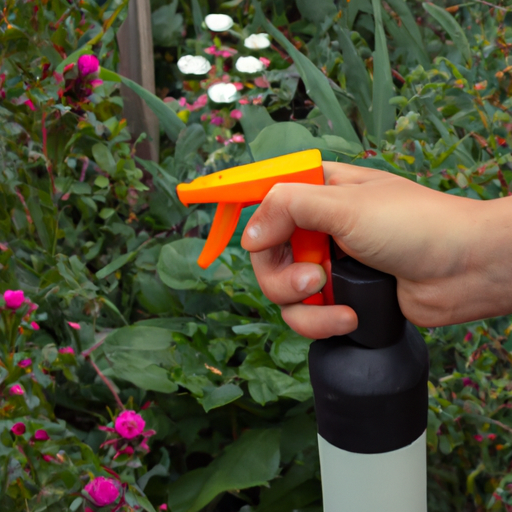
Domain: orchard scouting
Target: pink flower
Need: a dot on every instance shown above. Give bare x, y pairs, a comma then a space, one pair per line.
491, 437
88, 64
16, 390
211, 50
14, 298
238, 138
88, 509
47, 458
236, 114
126, 451
239, 85
262, 82
74, 325
66, 350
96, 82
469, 336
199, 103
265, 61
34, 326
68, 67
217, 121
163, 506
41, 435
103, 491
30, 105
129, 424
32, 307
18, 429
243, 101
478, 438
467, 382
182, 101
24, 363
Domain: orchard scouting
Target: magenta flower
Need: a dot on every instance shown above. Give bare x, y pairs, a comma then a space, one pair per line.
265, 61
47, 458
30, 104
125, 451
217, 121
129, 424
479, 438
34, 326
74, 325
469, 336
41, 435
236, 114
467, 382
66, 350
32, 307
14, 298
24, 363
16, 390
88, 64
18, 429
163, 506
103, 491
491, 437
238, 138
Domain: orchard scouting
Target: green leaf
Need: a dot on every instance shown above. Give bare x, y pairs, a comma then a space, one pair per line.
340, 145
188, 143
217, 397
198, 17
316, 11
171, 123
454, 30
250, 461
254, 120
317, 85
166, 25
119, 262
75, 504
178, 268
104, 158
136, 337
358, 80
383, 90
157, 470
289, 350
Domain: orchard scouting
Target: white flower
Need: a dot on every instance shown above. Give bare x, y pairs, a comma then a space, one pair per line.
249, 65
257, 42
218, 22
193, 65
222, 93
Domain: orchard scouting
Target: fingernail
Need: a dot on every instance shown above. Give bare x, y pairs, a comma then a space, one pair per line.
254, 231
309, 282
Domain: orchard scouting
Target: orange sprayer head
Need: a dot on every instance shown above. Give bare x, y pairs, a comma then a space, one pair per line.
238, 187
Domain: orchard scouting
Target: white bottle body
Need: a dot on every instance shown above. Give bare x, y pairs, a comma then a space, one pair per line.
382, 482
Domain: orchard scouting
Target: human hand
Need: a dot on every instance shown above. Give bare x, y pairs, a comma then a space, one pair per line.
430, 241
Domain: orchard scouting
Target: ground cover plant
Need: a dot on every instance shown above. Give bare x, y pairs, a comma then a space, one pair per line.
130, 379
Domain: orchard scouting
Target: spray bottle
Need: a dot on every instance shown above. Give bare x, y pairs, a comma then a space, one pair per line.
370, 387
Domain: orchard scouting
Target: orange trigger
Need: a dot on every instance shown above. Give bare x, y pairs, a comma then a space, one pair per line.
223, 227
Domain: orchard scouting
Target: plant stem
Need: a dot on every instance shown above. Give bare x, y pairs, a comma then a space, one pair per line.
107, 383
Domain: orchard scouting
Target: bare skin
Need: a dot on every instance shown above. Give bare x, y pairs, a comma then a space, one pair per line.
450, 255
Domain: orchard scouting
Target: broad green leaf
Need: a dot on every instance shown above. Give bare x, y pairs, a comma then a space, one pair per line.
289, 350
454, 30
183, 491
254, 120
298, 488
104, 158
217, 397
383, 90
339, 145
178, 268
138, 337
261, 392
317, 85
188, 143
250, 461
134, 368
157, 470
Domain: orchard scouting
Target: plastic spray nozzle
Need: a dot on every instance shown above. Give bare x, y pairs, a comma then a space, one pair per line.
246, 185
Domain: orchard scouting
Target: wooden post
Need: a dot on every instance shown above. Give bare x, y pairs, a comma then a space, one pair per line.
135, 41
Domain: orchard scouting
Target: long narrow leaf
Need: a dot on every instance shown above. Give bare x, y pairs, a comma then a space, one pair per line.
358, 80
317, 85
454, 30
383, 112
171, 123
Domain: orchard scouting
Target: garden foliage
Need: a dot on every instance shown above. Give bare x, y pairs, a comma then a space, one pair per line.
131, 379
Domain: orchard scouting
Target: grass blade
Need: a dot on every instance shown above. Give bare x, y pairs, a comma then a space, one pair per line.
383, 91
453, 29
317, 85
